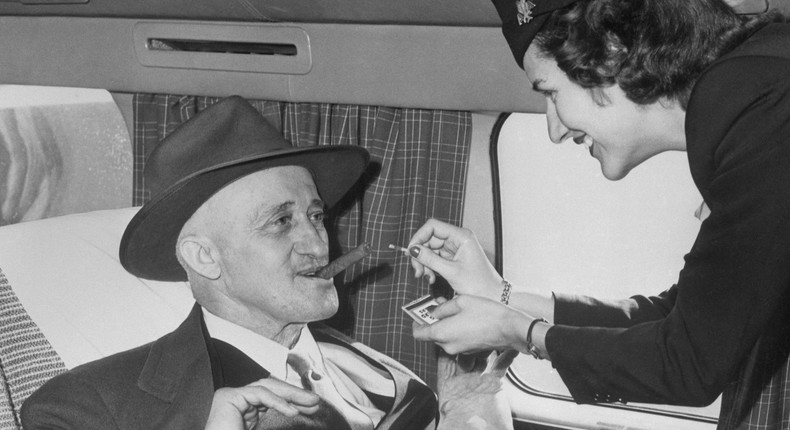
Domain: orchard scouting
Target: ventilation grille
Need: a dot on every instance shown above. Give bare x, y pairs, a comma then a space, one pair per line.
219, 47
260, 48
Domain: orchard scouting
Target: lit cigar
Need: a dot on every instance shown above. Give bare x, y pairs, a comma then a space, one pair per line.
341, 263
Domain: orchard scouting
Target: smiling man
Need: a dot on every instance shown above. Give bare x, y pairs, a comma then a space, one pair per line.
239, 213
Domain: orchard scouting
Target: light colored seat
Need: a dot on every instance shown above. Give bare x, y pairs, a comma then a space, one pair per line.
61, 281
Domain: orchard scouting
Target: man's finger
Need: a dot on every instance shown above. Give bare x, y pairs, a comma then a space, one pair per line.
295, 396
499, 362
264, 399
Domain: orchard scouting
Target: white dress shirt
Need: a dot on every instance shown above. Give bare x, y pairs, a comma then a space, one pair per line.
343, 367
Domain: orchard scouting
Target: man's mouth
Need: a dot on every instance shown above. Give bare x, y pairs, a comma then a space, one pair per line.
309, 273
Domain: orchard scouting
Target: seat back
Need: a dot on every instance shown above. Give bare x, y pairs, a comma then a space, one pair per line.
65, 300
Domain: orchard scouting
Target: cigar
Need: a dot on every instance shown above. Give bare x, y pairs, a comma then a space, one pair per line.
341, 263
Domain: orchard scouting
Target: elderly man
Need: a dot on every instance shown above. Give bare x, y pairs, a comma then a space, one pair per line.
239, 213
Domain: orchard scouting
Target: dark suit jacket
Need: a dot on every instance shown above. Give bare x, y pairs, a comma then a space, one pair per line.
169, 384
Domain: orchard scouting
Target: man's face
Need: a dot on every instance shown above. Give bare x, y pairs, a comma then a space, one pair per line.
619, 133
269, 229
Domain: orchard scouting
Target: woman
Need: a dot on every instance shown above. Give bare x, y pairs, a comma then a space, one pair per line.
631, 79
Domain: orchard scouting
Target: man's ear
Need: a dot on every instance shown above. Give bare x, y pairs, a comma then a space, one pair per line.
200, 255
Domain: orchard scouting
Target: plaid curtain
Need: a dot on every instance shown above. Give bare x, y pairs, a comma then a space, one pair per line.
418, 171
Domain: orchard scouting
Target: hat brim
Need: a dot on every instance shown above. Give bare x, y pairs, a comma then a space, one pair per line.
148, 246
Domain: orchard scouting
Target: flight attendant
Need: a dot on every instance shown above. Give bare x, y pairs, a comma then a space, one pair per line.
630, 79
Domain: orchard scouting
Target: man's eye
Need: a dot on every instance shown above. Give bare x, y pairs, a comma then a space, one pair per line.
283, 220
318, 217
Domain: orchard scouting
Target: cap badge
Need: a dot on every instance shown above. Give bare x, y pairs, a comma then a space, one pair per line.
524, 11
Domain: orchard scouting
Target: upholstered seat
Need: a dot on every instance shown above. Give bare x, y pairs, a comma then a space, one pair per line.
66, 300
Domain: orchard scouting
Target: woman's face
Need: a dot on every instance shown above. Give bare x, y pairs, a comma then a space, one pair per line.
619, 133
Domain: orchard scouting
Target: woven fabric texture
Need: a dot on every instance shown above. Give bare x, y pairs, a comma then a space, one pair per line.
27, 360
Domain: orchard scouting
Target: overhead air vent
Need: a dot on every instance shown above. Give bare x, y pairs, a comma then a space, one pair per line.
260, 48
219, 47
50, 1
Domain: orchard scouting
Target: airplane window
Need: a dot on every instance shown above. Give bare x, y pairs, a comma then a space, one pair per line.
564, 227
62, 150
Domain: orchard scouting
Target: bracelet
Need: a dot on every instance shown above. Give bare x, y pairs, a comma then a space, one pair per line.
531, 348
505, 297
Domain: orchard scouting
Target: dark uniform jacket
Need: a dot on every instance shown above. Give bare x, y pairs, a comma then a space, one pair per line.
725, 325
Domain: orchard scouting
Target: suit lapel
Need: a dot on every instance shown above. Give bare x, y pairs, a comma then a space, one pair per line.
178, 372
231, 367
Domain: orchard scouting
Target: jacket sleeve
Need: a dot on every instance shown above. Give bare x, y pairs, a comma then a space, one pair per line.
66, 402
583, 311
685, 347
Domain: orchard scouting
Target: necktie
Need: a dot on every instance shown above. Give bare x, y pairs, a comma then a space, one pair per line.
323, 386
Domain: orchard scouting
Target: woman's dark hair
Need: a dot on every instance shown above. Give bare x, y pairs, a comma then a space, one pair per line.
650, 48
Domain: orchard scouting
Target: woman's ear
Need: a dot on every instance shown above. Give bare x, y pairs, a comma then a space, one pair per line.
601, 95
200, 254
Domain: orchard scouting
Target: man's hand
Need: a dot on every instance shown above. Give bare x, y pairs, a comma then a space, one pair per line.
239, 408
470, 391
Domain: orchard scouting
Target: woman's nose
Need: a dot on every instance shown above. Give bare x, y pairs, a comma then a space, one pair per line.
557, 130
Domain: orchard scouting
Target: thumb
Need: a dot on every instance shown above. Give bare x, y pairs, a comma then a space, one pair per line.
498, 362
430, 259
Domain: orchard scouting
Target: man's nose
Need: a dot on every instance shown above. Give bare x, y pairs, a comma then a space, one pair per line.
312, 240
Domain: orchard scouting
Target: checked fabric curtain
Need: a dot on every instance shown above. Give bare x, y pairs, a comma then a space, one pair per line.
418, 170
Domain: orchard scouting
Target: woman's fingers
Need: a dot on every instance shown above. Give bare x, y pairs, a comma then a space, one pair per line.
454, 253
445, 309
467, 324
427, 262
432, 230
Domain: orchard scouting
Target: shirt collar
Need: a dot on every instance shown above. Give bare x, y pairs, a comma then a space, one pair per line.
267, 353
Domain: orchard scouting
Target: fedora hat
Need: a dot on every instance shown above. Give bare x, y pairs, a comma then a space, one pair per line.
523, 19
222, 143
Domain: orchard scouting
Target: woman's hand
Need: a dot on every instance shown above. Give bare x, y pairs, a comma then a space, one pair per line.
456, 255
238, 408
470, 324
